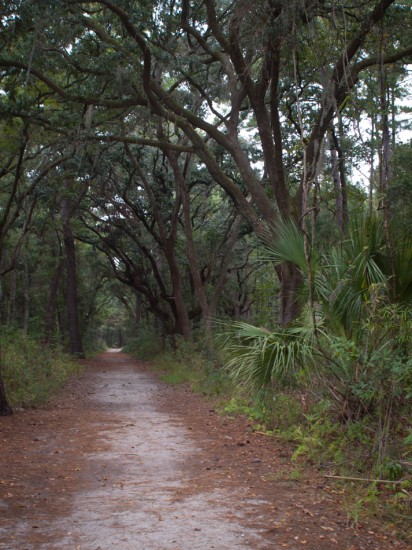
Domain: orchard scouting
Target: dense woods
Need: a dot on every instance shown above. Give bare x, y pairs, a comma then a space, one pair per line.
217, 166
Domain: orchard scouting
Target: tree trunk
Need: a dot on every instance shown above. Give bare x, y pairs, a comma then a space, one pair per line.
138, 310
76, 346
50, 317
385, 174
26, 292
11, 311
182, 316
342, 172
372, 164
190, 246
290, 282
5, 409
1, 299
339, 182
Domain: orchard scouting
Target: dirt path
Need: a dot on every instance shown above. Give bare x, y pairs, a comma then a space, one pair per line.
123, 461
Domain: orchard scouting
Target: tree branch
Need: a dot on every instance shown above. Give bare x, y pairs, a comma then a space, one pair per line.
377, 60
142, 141
86, 100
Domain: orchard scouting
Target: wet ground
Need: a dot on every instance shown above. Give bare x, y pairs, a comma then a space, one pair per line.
122, 461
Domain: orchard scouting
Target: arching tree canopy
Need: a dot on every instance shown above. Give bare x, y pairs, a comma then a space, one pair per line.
169, 138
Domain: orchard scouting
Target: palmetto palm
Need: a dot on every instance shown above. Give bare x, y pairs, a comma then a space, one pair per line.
258, 358
348, 282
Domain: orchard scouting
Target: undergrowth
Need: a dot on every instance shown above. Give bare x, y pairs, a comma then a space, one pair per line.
187, 363
147, 344
348, 450
32, 372
313, 427
180, 362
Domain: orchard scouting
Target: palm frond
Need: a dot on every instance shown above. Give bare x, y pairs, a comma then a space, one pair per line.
350, 273
258, 359
287, 245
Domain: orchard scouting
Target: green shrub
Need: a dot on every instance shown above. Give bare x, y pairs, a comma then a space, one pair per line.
373, 370
173, 369
181, 361
32, 371
93, 341
146, 344
184, 364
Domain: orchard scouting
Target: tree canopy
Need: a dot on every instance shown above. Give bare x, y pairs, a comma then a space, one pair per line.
161, 144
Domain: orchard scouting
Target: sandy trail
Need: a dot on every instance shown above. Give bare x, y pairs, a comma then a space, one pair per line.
120, 460
128, 488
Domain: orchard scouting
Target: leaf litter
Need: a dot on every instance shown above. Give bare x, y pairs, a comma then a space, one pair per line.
121, 460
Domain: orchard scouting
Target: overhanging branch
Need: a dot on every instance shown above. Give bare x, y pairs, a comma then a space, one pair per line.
86, 100
141, 141
377, 60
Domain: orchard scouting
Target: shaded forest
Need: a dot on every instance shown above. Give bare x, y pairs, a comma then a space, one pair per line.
217, 174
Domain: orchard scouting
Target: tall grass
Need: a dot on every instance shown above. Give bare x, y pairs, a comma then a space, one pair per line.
32, 372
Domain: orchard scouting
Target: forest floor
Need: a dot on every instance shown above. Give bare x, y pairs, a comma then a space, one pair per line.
121, 460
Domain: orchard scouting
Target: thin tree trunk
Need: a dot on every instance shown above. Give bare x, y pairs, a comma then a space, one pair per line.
339, 181
2, 318
26, 292
342, 171
5, 409
138, 310
51, 311
222, 279
372, 165
190, 246
393, 122
76, 346
11, 311
385, 174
